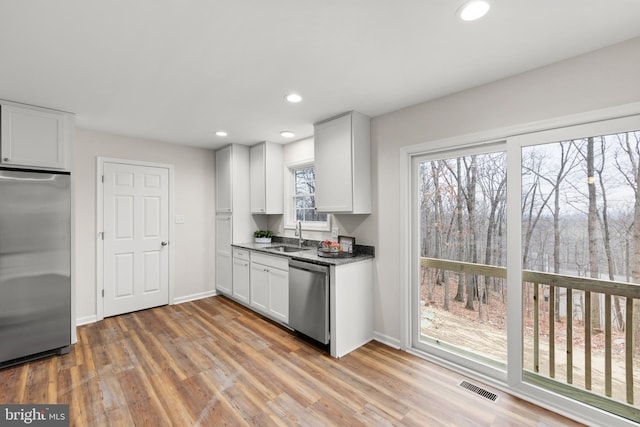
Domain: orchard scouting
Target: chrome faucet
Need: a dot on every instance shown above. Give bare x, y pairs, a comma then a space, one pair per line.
299, 233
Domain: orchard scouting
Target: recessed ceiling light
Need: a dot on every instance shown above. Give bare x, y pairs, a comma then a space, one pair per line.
221, 133
287, 134
293, 98
474, 9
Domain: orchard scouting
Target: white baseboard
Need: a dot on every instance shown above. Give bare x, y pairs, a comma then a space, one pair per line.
94, 318
194, 297
386, 339
86, 320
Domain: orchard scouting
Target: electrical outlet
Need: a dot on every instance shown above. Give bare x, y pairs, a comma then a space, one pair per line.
335, 231
179, 219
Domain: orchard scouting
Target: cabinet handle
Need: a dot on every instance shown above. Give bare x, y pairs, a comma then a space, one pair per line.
6, 159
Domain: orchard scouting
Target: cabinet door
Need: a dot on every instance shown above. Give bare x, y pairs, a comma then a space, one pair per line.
224, 274
259, 287
241, 280
224, 269
333, 165
224, 180
34, 138
274, 178
279, 295
258, 185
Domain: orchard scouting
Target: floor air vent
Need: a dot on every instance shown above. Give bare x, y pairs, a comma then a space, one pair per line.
479, 391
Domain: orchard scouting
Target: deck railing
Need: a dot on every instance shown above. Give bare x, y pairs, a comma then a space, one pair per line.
548, 286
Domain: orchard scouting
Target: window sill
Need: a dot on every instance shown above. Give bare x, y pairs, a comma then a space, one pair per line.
309, 226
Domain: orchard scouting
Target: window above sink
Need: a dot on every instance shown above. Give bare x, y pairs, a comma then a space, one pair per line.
300, 201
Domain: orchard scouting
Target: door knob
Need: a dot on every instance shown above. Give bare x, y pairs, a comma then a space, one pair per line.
164, 243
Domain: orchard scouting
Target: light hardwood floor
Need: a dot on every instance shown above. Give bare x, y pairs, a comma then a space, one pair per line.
212, 362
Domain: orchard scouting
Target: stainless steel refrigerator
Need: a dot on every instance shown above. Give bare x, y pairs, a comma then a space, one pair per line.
35, 265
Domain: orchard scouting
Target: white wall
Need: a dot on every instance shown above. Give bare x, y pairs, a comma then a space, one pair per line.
194, 180
604, 78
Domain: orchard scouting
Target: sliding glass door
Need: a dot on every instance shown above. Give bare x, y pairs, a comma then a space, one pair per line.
461, 291
581, 267
555, 303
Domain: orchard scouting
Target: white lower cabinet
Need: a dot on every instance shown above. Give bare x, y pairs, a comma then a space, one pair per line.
279, 295
261, 281
224, 263
259, 287
241, 275
351, 306
270, 286
223, 273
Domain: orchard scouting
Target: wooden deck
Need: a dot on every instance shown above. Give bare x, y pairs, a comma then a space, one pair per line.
212, 362
584, 379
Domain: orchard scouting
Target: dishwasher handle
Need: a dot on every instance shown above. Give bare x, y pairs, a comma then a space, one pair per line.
308, 266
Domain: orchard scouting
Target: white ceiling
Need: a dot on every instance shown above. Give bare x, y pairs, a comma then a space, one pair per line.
178, 70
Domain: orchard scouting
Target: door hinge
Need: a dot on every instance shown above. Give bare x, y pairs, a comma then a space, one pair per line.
103, 293
102, 235
103, 179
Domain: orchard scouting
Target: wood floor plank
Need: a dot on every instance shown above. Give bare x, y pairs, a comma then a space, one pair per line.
169, 397
352, 391
356, 386
213, 362
114, 400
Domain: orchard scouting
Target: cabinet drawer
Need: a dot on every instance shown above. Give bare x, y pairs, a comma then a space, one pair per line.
241, 253
279, 262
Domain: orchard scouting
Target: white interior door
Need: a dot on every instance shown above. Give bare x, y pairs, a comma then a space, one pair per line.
136, 234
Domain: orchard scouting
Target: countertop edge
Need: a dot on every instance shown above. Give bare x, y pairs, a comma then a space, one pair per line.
309, 255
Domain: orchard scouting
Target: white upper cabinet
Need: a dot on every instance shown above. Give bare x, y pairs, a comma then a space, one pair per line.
224, 180
33, 137
267, 178
342, 147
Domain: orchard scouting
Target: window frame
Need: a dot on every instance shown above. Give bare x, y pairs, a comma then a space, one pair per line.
289, 209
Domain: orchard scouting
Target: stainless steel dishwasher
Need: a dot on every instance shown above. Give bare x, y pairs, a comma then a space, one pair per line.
309, 299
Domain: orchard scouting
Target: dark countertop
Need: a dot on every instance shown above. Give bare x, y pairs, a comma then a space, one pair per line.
310, 254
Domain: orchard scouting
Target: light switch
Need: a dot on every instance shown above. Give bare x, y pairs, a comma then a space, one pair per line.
335, 231
179, 219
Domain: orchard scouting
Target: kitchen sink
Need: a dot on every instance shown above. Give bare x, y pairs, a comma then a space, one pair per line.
286, 249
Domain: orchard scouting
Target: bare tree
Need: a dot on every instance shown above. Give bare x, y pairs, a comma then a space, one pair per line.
592, 230
567, 163
632, 151
459, 236
532, 209
471, 168
606, 237
494, 186
438, 224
